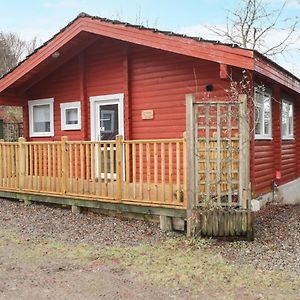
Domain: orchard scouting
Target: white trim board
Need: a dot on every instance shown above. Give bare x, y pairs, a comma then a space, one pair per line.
63, 108
31, 104
106, 100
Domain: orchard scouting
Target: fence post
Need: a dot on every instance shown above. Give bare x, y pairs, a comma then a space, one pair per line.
21, 159
119, 170
244, 153
185, 189
64, 169
190, 159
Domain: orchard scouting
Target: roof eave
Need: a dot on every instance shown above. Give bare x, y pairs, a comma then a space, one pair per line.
270, 69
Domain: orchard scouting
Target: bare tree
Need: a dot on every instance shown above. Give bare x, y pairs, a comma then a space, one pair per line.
13, 49
253, 21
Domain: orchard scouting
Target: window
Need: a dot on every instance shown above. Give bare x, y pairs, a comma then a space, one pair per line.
263, 114
287, 120
70, 116
41, 117
107, 119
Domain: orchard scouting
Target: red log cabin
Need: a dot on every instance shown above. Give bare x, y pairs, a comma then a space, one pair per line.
99, 78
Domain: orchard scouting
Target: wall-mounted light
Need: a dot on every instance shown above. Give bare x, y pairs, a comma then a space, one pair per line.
56, 54
209, 88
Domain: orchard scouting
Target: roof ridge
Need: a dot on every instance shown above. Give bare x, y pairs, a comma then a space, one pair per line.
155, 30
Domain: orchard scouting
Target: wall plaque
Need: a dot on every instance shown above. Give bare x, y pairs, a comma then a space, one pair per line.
147, 114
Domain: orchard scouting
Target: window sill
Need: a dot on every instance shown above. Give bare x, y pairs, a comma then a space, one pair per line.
70, 128
262, 138
42, 134
288, 138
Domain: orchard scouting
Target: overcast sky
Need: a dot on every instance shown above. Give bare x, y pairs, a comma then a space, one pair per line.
44, 18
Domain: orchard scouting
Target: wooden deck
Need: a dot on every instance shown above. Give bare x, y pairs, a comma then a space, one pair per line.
89, 191
148, 173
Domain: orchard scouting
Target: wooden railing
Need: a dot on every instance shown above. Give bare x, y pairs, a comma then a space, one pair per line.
146, 172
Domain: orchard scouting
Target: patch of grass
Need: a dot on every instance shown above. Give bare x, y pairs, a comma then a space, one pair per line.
199, 243
182, 267
40, 250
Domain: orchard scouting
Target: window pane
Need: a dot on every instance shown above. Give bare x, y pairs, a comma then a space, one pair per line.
284, 119
258, 112
267, 115
71, 116
287, 119
41, 118
290, 120
107, 120
258, 119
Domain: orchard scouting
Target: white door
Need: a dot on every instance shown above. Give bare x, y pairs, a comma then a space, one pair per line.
107, 121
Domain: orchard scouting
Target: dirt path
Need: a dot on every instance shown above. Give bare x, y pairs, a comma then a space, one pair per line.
31, 271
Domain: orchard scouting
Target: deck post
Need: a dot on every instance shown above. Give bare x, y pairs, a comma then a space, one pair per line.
190, 158
165, 223
185, 188
64, 172
244, 153
21, 166
76, 209
119, 170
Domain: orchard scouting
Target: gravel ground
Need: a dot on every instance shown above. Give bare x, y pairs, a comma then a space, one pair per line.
44, 222
277, 241
276, 245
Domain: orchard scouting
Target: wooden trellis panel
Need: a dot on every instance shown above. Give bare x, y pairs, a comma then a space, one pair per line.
220, 134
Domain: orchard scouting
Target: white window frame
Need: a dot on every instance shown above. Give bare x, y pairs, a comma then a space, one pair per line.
63, 109
39, 102
106, 100
264, 93
287, 136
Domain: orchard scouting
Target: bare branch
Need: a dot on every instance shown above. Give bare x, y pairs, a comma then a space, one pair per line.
12, 50
250, 23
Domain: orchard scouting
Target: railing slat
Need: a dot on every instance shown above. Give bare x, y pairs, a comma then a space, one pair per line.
99, 161
93, 169
141, 171
35, 158
163, 171
44, 167
170, 172
105, 170
40, 166
111, 168
71, 162
134, 171
54, 166
87, 165
155, 172
81, 187
58, 153
148, 161
178, 187
127, 167
76, 161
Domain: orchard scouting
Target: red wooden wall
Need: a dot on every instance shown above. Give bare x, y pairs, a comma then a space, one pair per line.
149, 79
276, 154
159, 80
64, 86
